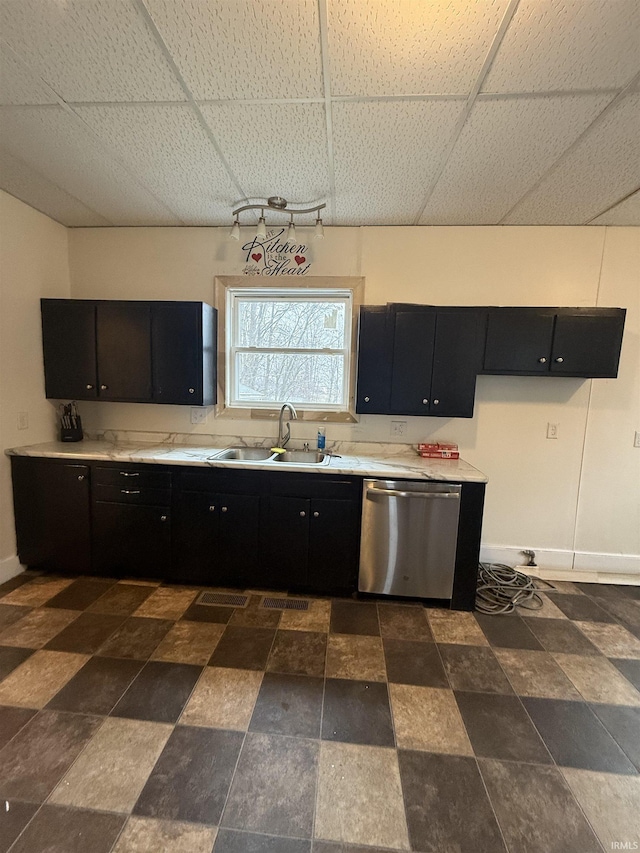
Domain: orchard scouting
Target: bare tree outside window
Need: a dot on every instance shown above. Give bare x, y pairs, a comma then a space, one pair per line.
289, 346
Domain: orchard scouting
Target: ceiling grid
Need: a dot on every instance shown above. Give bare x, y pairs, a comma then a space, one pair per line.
170, 112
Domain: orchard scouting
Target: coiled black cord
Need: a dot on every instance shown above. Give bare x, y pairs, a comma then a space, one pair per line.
501, 589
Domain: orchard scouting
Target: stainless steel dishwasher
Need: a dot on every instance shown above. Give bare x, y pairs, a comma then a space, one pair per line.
409, 538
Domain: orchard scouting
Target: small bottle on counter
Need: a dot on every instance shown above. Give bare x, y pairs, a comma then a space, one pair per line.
322, 437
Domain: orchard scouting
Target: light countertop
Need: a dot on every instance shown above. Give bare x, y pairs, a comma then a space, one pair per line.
385, 465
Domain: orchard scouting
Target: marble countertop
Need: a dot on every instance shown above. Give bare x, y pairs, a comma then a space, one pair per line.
386, 464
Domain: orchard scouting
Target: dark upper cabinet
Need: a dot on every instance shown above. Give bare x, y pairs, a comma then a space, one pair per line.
583, 342
375, 358
69, 349
128, 351
183, 339
124, 351
588, 344
52, 512
413, 341
436, 354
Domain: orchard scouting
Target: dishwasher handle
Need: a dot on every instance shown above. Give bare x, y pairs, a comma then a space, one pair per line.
377, 494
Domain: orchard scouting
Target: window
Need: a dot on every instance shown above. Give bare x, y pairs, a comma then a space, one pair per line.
288, 345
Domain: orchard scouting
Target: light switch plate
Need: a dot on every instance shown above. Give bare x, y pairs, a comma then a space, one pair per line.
398, 427
23, 420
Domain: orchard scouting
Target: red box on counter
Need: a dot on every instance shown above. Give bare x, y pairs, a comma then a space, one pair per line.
439, 450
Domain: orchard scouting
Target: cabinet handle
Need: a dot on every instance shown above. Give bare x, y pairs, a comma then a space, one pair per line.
192, 390
302, 514
104, 387
89, 387
366, 399
542, 360
559, 360
425, 402
212, 509
224, 508
129, 473
81, 477
435, 402
163, 518
316, 515
129, 491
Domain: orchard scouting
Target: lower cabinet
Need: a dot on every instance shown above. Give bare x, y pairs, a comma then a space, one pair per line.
190, 525
311, 533
52, 505
131, 539
216, 540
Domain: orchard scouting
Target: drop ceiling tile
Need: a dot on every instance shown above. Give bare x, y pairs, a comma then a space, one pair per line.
505, 146
385, 156
554, 45
167, 148
625, 213
18, 85
57, 146
29, 186
279, 149
90, 50
405, 47
602, 168
239, 49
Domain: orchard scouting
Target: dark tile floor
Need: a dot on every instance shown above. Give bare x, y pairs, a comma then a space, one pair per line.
135, 721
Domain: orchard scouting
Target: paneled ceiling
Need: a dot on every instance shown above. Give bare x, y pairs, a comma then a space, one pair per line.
394, 112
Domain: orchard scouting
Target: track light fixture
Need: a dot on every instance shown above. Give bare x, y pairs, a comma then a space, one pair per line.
278, 204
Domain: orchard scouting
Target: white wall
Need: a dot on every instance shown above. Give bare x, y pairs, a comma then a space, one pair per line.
34, 263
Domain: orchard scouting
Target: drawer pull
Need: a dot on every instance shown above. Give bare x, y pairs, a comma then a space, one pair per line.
163, 518
129, 491
129, 474
316, 515
224, 508
303, 514
212, 509
81, 477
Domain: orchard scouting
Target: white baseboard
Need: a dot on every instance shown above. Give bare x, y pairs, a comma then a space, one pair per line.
9, 568
569, 565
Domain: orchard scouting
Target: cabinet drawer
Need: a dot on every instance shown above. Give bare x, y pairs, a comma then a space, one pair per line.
312, 486
132, 478
132, 493
232, 482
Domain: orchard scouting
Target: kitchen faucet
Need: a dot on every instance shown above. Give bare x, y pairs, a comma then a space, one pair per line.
283, 440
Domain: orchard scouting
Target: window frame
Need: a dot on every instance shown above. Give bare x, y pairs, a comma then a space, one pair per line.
350, 288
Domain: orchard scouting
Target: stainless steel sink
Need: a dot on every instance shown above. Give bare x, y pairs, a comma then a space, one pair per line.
302, 457
245, 454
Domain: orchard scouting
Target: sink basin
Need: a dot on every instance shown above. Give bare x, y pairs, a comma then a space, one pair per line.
302, 457
255, 454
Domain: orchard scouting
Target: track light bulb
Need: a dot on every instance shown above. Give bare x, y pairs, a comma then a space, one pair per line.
319, 229
261, 233
234, 234
291, 233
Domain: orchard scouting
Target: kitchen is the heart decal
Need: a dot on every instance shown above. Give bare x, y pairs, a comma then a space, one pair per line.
275, 255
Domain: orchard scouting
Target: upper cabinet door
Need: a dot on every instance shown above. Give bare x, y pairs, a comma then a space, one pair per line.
412, 362
124, 351
375, 354
69, 346
183, 353
518, 341
456, 362
588, 344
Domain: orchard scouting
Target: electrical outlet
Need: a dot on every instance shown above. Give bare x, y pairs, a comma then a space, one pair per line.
198, 415
552, 430
636, 440
398, 427
23, 420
